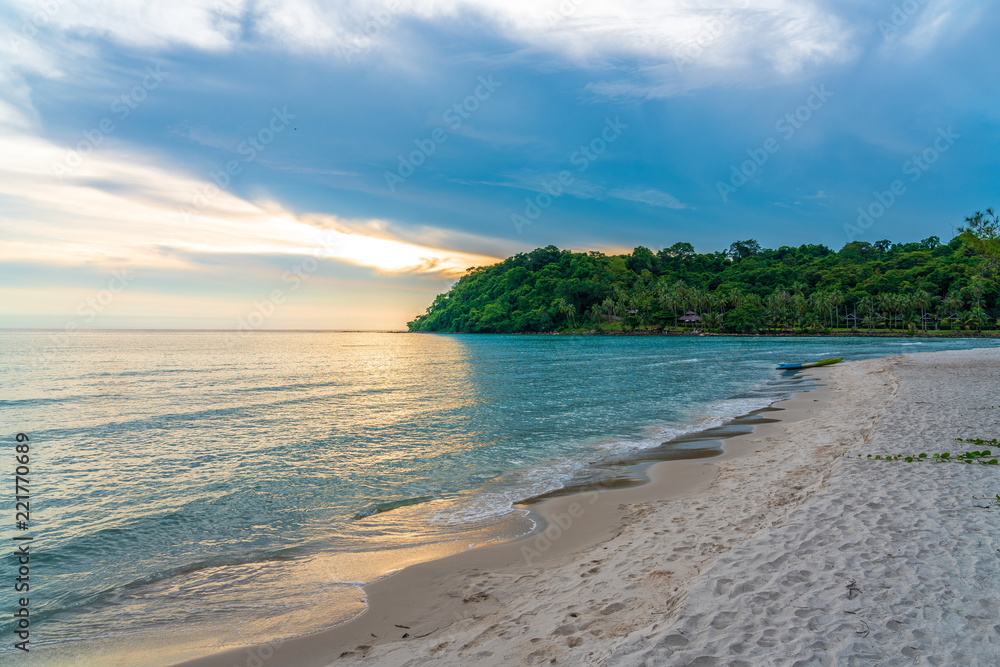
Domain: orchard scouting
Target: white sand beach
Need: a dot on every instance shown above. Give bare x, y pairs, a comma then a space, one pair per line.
782, 551
888, 564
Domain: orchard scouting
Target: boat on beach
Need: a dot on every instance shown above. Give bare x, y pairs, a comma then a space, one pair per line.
796, 367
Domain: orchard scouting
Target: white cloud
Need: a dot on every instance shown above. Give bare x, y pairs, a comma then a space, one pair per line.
820, 194
200, 24
675, 44
115, 208
535, 181
649, 196
21, 56
922, 30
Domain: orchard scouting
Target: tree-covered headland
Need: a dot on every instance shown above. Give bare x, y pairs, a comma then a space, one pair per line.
925, 286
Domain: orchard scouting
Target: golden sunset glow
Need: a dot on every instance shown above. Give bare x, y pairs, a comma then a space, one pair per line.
154, 211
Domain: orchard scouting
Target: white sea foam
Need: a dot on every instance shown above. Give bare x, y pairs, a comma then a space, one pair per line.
498, 502
521, 484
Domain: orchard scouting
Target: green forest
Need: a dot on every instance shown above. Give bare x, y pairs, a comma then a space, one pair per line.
924, 287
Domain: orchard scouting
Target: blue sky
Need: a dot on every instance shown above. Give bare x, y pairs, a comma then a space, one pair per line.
307, 166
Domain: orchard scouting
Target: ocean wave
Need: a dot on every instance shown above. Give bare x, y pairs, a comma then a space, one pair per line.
494, 503
531, 482
380, 508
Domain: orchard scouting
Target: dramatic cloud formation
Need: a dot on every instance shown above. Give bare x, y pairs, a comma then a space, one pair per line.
123, 208
198, 142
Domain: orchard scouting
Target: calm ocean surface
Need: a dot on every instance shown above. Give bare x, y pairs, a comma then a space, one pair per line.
188, 494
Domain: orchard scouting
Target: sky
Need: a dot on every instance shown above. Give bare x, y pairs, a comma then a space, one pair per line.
267, 164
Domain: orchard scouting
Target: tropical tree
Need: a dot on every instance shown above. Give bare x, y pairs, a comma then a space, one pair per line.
978, 318
868, 311
597, 314
640, 302
885, 303
981, 233
800, 306
713, 320
888, 282
777, 305
837, 300
922, 300
567, 309
951, 307
609, 306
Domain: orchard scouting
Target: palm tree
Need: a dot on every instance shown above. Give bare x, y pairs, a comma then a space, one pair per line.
739, 298
922, 300
640, 302
608, 308
978, 318
726, 299
976, 290
907, 309
836, 299
668, 299
713, 320
799, 307
777, 307
824, 304
708, 301
884, 301
680, 290
597, 313
868, 310
951, 305
567, 309
901, 306
966, 319
817, 304
696, 299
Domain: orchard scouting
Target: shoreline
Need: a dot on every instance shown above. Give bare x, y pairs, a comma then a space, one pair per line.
893, 563
781, 549
719, 334
569, 522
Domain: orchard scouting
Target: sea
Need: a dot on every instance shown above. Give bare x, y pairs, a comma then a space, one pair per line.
191, 491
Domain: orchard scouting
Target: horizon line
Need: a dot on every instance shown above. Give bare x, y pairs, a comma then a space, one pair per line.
228, 329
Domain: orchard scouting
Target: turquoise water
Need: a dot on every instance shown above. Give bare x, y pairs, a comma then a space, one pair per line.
190, 492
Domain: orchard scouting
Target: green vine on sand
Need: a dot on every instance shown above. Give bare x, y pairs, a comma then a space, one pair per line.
977, 456
983, 457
